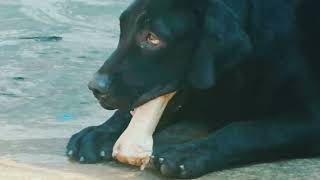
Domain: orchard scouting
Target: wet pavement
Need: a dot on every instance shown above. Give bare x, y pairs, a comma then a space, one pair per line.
48, 52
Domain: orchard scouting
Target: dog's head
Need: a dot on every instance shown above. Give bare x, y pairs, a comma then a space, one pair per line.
166, 46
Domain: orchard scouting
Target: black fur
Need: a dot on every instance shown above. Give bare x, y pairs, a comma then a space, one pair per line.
247, 77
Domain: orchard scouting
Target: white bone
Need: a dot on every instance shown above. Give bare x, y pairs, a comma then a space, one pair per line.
135, 145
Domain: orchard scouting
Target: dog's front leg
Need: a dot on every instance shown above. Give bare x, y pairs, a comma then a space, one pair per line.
240, 143
95, 143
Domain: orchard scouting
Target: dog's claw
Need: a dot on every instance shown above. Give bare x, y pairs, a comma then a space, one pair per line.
102, 154
70, 153
81, 159
182, 170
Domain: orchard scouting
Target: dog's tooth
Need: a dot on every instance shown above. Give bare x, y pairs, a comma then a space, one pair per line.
103, 96
183, 171
102, 154
70, 153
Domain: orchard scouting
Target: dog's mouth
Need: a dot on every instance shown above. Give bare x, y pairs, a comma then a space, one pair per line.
133, 103
108, 104
102, 98
159, 104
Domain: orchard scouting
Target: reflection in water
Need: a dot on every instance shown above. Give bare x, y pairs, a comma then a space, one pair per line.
48, 52
44, 38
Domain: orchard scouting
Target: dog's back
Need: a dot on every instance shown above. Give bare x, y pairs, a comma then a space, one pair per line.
284, 70
308, 19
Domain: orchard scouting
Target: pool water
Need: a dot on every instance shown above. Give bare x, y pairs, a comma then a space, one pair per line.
49, 50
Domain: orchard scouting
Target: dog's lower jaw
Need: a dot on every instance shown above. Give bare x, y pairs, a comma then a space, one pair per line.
135, 145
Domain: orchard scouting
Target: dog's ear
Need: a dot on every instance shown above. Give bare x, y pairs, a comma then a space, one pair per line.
223, 44
202, 74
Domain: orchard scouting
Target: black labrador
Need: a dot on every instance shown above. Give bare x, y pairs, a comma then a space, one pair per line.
245, 73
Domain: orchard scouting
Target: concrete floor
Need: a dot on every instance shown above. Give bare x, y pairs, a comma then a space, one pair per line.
49, 162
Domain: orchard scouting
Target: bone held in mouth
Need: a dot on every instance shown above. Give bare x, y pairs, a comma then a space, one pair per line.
135, 145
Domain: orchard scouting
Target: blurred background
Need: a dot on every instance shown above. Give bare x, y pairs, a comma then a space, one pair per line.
49, 49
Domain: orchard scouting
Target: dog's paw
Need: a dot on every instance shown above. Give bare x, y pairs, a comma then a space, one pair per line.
183, 161
91, 145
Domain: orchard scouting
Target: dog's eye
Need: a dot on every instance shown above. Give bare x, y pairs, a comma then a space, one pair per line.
153, 39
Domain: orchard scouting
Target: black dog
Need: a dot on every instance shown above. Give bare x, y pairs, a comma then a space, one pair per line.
246, 76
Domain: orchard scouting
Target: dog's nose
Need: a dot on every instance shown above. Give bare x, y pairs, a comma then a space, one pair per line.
99, 84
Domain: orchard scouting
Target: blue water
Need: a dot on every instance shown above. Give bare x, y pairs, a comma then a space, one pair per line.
49, 50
